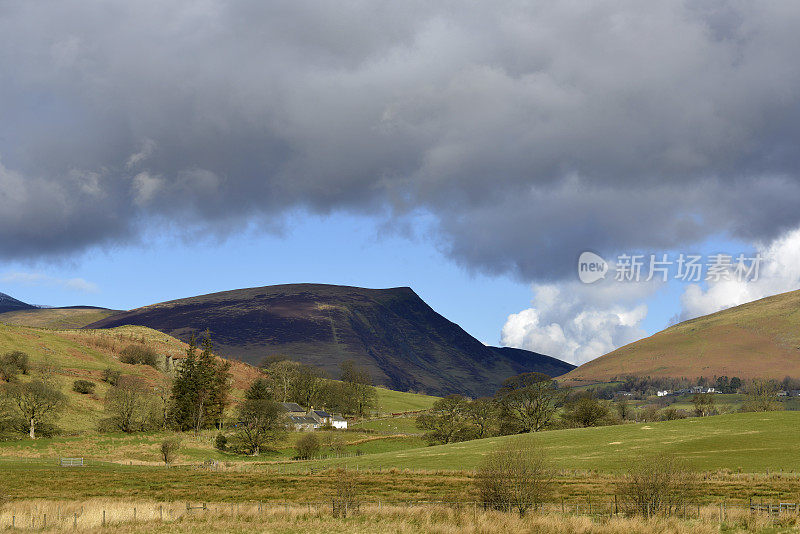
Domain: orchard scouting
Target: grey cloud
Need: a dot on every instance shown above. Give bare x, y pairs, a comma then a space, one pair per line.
530, 131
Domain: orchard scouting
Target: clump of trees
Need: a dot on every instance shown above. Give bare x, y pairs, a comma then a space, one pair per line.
200, 388
515, 476
761, 396
525, 403
352, 394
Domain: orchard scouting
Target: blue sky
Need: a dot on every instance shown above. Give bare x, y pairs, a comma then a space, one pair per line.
334, 249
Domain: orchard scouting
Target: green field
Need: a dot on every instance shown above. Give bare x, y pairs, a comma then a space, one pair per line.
750, 442
389, 401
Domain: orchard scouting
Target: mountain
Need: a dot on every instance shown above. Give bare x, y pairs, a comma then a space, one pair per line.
757, 339
9, 303
403, 342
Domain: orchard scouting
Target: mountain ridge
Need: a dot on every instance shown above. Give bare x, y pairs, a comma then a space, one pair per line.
404, 343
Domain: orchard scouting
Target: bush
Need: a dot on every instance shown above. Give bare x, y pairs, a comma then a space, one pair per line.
655, 485
169, 449
221, 442
307, 446
12, 363
84, 387
139, 355
346, 493
671, 414
515, 476
111, 376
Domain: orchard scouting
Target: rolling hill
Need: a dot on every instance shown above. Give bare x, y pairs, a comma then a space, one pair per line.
403, 342
85, 354
757, 339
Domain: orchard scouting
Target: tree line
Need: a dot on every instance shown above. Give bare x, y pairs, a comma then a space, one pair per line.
531, 402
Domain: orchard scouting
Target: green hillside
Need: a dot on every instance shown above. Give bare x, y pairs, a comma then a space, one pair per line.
757, 339
85, 354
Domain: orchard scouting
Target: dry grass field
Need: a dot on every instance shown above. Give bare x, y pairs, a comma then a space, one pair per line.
129, 516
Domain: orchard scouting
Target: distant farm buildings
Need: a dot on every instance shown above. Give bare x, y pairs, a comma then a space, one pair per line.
312, 419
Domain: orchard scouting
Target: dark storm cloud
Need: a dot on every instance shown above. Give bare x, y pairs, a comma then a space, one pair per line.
531, 131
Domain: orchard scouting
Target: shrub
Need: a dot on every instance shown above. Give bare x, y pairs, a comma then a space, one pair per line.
221, 442
169, 449
12, 363
84, 387
111, 376
139, 355
671, 414
307, 446
655, 485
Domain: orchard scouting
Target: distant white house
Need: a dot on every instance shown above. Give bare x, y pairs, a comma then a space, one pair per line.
339, 422
664, 393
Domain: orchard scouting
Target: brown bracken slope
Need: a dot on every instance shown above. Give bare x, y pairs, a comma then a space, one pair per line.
757, 339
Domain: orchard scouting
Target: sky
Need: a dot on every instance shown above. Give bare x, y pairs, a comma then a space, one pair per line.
153, 150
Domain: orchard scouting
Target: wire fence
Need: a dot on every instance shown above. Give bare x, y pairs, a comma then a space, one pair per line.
39, 515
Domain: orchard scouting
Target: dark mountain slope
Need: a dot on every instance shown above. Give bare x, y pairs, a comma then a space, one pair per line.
404, 343
9, 303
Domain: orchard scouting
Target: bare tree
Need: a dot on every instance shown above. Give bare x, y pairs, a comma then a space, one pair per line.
35, 401
515, 476
656, 485
346, 493
127, 404
528, 402
282, 373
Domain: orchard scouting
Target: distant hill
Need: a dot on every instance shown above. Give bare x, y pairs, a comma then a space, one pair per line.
757, 339
404, 343
9, 303
62, 318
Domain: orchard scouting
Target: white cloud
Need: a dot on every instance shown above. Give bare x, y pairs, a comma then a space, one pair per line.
39, 279
779, 272
578, 323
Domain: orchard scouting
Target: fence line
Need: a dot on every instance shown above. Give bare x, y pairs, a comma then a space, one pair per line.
64, 515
